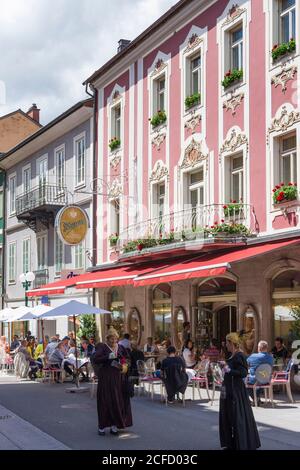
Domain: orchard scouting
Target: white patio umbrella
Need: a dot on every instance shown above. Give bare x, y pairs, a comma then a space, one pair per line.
5, 314
38, 311
18, 314
74, 309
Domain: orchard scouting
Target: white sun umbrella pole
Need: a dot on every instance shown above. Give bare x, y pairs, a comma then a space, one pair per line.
74, 309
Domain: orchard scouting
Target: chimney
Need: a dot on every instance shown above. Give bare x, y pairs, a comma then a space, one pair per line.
34, 113
123, 43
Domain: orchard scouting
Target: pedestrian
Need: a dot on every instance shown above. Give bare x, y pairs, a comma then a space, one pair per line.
174, 374
113, 394
237, 426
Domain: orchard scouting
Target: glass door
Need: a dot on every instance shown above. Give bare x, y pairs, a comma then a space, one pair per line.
42, 177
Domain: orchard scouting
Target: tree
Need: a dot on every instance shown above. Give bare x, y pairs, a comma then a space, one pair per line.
87, 326
295, 327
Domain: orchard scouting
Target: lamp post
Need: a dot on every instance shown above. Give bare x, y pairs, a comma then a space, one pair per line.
26, 280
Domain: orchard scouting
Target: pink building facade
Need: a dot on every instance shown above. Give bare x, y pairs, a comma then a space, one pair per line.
199, 111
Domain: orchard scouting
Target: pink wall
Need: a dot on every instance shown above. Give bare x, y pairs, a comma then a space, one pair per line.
279, 97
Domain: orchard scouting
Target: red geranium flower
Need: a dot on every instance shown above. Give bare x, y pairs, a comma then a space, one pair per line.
274, 190
225, 207
222, 221
281, 184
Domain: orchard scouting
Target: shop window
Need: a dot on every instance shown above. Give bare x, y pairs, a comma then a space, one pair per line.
134, 325
116, 306
162, 316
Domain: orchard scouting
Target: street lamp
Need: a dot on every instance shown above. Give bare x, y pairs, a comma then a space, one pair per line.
26, 280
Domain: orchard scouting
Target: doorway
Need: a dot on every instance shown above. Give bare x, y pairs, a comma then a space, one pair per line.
226, 322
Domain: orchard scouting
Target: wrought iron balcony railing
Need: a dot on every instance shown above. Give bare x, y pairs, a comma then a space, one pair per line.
232, 221
41, 278
40, 197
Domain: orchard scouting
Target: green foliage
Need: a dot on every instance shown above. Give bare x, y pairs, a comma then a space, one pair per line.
228, 229
232, 76
87, 326
192, 100
283, 49
285, 192
232, 209
159, 118
113, 239
295, 328
114, 143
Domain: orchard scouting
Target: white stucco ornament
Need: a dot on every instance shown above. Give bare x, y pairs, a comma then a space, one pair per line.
159, 172
234, 141
233, 103
284, 77
193, 155
284, 120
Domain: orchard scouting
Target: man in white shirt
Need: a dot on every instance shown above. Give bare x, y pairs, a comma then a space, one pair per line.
125, 342
149, 346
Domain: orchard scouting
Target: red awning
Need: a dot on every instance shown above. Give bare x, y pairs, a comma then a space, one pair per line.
54, 288
118, 276
206, 265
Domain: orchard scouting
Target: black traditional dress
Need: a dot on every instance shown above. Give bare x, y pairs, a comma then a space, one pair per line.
113, 400
238, 429
175, 377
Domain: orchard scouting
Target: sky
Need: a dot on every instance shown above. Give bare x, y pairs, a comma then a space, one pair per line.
49, 47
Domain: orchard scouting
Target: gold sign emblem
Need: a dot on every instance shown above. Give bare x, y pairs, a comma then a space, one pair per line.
72, 224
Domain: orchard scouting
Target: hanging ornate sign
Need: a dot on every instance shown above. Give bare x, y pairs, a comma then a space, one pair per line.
72, 224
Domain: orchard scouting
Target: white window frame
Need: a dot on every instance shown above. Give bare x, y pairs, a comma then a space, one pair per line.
38, 162
157, 93
293, 157
114, 216
111, 104
286, 12
12, 201
76, 139
196, 186
57, 239
114, 120
241, 173
40, 237
12, 279
57, 151
25, 169
239, 44
75, 248
153, 77
28, 242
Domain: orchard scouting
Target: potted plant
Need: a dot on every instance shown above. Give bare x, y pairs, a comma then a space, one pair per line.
159, 118
114, 143
280, 50
231, 77
113, 239
226, 230
192, 100
285, 192
233, 209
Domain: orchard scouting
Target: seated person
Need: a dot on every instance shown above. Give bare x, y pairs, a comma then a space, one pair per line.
280, 352
15, 343
189, 355
33, 365
212, 353
125, 342
81, 363
50, 347
173, 374
91, 346
150, 347
57, 358
135, 355
255, 360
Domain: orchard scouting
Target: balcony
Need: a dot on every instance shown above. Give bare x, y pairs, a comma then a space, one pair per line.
200, 228
41, 278
40, 204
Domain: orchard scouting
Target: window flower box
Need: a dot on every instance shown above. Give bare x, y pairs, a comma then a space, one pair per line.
159, 118
228, 230
280, 50
192, 100
113, 239
284, 193
233, 210
114, 144
231, 77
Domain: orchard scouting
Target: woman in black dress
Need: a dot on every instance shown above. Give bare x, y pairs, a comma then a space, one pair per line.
238, 429
113, 395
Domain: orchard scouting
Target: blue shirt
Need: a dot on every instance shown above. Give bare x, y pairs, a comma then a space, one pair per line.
256, 360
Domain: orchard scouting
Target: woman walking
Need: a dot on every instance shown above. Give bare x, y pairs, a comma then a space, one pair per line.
238, 429
113, 394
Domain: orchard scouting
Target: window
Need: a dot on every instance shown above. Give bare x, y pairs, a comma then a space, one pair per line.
115, 216
12, 194
80, 160
12, 251
159, 94
60, 167
194, 75
26, 179
79, 256
116, 122
288, 160
287, 20
236, 54
59, 254
41, 252
26, 256
196, 196
237, 178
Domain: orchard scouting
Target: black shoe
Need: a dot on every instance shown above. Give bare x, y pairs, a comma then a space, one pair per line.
101, 433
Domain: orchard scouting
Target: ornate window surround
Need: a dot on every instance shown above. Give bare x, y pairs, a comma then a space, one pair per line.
187, 166
225, 24
186, 52
116, 98
154, 73
235, 143
272, 22
285, 122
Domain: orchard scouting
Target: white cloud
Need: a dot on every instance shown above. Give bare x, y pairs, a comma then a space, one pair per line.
49, 47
